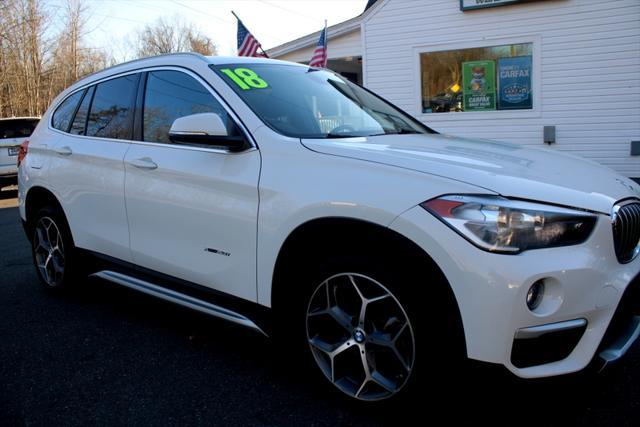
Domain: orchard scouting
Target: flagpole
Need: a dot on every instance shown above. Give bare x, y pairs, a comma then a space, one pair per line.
259, 45
326, 44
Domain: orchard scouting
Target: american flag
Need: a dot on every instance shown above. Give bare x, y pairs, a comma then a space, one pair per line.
247, 44
319, 58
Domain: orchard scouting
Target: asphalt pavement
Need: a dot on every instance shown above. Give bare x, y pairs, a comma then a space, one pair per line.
107, 355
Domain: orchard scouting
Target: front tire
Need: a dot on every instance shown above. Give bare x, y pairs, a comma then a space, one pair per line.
412, 336
360, 336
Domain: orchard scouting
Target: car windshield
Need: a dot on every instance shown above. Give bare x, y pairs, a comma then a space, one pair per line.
305, 102
17, 128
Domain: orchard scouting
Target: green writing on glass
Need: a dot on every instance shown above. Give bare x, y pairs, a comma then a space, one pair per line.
245, 78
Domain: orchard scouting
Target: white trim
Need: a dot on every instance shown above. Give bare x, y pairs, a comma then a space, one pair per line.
535, 112
371, 12
363, 54
141, 60
178, 298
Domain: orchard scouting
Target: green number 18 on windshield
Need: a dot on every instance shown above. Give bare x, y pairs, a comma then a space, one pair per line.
245, 78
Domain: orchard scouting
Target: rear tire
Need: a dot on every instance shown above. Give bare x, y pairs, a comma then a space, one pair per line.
53, 250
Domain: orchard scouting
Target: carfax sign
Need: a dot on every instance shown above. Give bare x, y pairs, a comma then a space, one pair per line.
479, 85
481, 4
514, 83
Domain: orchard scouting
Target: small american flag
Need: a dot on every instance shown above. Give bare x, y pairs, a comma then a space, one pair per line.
319, 57
247, 44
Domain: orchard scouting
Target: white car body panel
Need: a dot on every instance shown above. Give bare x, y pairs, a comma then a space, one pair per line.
247, 204
491, 288
195, 200
89, 184
320, 190
509, 169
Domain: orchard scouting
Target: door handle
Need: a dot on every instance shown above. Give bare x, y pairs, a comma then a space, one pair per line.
143, 163
64, 151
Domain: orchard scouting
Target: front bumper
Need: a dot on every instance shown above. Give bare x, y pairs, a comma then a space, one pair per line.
582, 282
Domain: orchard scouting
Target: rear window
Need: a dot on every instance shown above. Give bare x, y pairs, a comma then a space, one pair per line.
17, 128
80, 121
111, 112
63, 114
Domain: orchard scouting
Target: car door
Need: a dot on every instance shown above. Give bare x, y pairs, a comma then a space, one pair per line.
87, 164
192, 210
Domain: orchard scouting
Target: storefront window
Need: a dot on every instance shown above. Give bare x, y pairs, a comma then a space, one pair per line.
477, 79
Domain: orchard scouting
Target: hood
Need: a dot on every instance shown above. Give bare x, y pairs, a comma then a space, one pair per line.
511, 170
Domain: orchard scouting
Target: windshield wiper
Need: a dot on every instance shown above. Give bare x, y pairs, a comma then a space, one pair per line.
404, 132
343, 135
398, 132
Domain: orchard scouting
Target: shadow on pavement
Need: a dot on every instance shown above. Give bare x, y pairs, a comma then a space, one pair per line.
475, 392
10, 192
104, 354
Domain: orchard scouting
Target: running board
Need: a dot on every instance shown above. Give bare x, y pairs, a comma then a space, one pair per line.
177, 298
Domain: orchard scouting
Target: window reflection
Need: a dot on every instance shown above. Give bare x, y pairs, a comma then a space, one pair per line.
112, 107
170, 95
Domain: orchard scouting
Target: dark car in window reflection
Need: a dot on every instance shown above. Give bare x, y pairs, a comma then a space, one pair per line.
445, 102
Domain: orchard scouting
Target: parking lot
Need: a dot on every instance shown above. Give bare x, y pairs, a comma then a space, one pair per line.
105, 354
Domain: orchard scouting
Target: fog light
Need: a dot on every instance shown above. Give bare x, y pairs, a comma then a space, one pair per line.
534, 296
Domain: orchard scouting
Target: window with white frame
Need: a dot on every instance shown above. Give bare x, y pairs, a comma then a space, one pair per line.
477, 79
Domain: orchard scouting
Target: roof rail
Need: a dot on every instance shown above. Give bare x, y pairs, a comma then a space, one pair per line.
192, 54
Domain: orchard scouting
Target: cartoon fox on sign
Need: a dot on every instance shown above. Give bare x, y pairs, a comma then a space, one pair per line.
478, 82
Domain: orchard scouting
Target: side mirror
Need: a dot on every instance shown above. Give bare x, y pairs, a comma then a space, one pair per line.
204, 129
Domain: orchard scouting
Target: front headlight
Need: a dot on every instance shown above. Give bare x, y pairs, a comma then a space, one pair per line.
509, 226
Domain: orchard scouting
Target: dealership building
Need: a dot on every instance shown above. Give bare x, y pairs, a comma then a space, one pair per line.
559, 74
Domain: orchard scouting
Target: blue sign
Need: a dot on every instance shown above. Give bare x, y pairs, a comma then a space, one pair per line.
514, 83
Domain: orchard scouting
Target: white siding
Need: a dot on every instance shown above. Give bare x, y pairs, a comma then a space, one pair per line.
349, 44
588, 54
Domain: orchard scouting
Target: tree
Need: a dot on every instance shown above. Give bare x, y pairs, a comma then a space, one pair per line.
36, 64
23, 47
38, 61
168, 36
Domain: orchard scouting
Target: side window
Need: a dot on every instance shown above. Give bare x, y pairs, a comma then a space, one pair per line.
63, 114
172, 94
80, 121
111, 111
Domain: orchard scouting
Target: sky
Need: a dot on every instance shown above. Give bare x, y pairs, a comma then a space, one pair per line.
112, 23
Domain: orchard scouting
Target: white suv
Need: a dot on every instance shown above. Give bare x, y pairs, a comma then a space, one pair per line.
285, 198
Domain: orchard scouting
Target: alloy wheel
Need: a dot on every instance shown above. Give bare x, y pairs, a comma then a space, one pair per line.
360, 336
49, 251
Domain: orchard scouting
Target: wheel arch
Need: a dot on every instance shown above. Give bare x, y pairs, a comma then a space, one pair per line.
36, 198
316, 237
